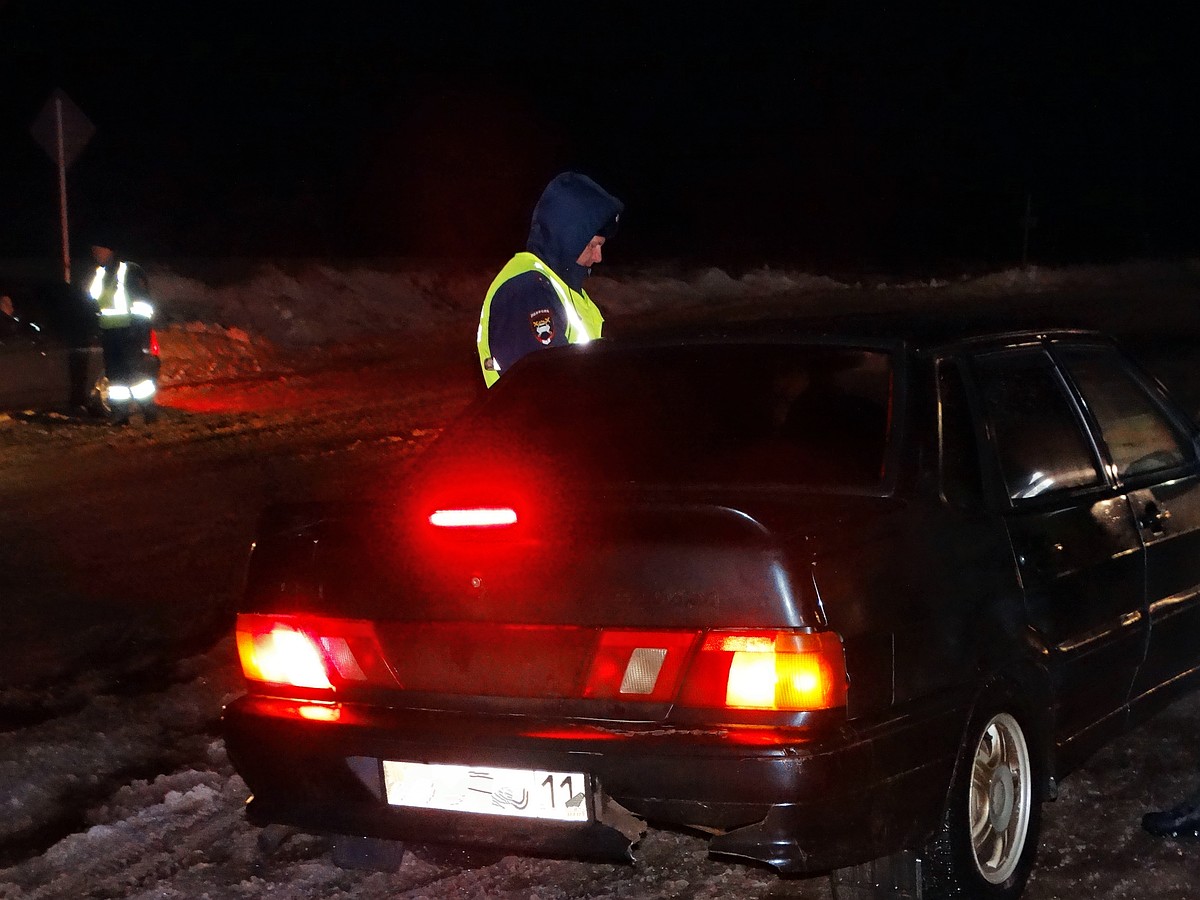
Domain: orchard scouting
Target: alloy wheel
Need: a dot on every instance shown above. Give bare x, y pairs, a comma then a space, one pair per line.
1001, 797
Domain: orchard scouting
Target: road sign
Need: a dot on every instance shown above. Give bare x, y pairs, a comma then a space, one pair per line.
63, 131
76, 128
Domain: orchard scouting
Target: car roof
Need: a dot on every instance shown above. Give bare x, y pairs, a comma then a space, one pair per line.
919, 332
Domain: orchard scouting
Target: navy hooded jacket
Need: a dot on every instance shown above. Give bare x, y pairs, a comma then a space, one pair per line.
572, 210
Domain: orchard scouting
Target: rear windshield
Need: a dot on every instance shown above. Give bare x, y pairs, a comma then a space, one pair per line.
744, 414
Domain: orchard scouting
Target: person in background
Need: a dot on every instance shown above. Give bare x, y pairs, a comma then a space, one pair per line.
1181, 821
537, 300
121, 291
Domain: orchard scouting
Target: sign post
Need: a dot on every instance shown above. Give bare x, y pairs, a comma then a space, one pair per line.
62, 130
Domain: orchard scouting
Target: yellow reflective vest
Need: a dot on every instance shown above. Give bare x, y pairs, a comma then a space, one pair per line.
112, 298
584, 321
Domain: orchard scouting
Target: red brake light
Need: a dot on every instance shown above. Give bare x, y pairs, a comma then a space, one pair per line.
309, 651
781, 670
481, 517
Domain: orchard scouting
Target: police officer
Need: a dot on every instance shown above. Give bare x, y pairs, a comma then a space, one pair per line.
121, 291
538, 299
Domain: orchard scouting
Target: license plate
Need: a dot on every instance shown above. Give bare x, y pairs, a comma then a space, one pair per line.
526, 793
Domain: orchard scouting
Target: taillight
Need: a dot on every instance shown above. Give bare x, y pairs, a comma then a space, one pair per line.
282, 655
781, 670
153, 342
778, 669
309, 651
791, 671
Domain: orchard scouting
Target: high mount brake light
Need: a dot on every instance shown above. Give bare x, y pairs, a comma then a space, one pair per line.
482, 517
778, 670
309, 651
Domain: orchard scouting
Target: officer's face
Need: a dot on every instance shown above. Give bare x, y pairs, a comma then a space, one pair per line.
591, 253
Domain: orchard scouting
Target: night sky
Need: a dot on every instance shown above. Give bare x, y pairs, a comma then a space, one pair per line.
833, 137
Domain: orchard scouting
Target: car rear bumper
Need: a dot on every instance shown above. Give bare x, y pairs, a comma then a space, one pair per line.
770, 795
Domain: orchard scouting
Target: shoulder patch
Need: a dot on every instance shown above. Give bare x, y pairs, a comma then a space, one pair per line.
541, 323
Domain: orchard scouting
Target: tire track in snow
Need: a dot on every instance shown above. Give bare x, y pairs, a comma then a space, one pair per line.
133, 851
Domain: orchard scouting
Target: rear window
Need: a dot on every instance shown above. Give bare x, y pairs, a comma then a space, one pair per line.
695, 414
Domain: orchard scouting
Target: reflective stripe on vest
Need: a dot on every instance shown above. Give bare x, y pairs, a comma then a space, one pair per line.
115, 309
584, 320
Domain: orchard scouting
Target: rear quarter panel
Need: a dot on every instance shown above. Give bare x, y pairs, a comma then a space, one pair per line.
930, 591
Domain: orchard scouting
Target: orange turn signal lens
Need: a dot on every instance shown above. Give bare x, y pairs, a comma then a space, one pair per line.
778, 681
779, 670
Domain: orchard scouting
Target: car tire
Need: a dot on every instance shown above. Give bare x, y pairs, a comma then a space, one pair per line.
992, 821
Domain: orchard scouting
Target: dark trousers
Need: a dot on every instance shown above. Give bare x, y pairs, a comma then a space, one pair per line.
125, 356
125, 350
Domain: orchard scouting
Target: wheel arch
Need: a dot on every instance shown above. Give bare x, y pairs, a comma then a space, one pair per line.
1015, 700
1026, 685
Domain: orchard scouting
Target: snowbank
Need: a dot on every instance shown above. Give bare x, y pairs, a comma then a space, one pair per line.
215, 328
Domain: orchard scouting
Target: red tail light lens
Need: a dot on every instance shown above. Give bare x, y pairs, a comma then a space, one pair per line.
309, 651
780, 670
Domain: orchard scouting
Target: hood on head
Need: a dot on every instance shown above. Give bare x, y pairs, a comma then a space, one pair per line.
572, 210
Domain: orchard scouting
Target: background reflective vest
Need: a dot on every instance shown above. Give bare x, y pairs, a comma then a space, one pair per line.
111, 293
584, 320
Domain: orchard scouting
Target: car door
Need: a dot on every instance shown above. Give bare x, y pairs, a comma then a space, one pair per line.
28, 361
1075, 542
1153, 453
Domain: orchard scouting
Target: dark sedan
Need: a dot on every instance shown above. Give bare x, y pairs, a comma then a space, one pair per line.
825, 596
49, 355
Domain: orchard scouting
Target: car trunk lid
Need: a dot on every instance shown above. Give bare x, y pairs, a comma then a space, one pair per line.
629, 607
612, 561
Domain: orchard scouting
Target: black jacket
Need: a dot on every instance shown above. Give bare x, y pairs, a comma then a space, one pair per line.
572, 210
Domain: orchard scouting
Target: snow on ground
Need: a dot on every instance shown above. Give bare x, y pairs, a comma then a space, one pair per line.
182, 835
